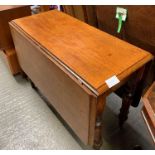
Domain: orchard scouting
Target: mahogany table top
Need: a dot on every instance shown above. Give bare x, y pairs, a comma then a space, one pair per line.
88, 53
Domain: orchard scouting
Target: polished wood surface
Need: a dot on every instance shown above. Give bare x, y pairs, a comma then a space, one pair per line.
92, 55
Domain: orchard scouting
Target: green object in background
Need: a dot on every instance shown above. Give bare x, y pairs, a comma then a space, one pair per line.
121, 15
119, 23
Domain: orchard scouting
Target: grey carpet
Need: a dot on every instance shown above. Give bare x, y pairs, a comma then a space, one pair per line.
26, 122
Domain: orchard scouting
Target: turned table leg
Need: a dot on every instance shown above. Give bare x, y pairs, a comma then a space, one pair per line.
133, 92
33, 85
98, 125
126, 102
22, 73
12, 60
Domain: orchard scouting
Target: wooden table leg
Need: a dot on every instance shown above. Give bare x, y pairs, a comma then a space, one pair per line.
101, 100
141, 83
33, 85
12, 60
23, 74
126, 102
133, 92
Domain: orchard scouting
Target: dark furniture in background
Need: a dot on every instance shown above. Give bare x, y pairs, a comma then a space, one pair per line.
84, 13
8, 13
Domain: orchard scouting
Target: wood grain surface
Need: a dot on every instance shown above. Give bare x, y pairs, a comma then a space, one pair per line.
70, 100
92, 55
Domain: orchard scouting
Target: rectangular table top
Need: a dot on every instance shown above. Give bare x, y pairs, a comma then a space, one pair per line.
88, 53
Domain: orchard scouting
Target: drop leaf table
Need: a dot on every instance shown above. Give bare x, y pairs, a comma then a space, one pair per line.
76, 66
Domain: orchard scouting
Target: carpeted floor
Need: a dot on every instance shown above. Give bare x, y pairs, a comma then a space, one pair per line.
26, 122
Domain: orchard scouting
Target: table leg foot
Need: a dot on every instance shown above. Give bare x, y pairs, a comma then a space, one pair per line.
98, 138
22, 73
127, 99
123, 116
98, 134
137, 147
97, 146
32, 84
